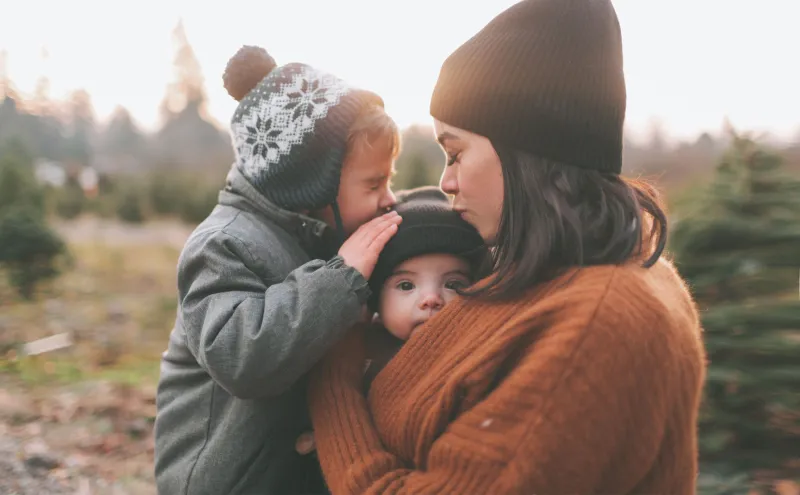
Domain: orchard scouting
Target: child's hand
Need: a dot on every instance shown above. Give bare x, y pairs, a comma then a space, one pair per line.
361, 250
305, 443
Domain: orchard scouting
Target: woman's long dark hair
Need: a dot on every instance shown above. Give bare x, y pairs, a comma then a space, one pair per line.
556, 217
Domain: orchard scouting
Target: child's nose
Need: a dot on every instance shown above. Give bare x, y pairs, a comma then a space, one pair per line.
388, 200
431, 300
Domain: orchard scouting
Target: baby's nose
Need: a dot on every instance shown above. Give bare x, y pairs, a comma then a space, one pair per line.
431, 300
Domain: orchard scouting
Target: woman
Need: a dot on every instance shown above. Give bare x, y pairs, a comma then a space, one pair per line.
577, 365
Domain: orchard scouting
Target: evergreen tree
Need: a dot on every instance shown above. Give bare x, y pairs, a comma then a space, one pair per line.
188, 86
739, 248
80, 142
122, 137
47, 126
29, 249
189, 138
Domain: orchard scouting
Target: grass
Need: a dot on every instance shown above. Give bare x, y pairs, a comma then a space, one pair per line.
64, 370
118, 302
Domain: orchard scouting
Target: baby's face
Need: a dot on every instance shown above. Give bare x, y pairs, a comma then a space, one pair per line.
418, 289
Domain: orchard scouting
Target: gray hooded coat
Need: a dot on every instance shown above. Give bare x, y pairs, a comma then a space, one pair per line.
260, 298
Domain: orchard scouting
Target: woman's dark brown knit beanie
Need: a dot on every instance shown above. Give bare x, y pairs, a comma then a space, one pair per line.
544, 76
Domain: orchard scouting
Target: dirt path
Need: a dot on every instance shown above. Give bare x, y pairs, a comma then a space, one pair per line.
20, 478
83, 439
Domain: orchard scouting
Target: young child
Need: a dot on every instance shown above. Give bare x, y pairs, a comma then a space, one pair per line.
262, 293
433, 254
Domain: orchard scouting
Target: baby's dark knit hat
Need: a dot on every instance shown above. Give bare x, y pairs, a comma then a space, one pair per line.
429, 226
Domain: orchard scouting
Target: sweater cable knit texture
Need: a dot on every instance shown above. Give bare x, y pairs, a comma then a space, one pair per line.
590, 383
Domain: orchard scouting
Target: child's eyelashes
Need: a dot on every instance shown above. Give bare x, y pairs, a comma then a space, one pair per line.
452, 158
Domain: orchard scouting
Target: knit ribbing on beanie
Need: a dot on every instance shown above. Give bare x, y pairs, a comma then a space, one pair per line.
545, 77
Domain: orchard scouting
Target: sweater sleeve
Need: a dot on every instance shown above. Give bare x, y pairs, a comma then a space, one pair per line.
585, 396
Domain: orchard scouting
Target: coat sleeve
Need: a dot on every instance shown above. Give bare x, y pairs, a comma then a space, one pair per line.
254, 339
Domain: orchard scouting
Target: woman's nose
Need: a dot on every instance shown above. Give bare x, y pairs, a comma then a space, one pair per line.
448, 182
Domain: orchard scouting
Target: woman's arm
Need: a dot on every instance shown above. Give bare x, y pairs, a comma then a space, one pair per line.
558, 423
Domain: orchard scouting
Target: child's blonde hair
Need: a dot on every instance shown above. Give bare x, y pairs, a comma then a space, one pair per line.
374, 127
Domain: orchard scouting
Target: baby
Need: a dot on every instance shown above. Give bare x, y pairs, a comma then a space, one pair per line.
433, 254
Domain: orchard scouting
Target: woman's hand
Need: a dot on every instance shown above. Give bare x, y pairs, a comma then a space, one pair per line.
346, 362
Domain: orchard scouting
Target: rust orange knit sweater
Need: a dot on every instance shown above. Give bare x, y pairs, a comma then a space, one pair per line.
589, 384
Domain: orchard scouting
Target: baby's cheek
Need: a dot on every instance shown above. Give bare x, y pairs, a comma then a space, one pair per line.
400, 327
395, 319
408, 328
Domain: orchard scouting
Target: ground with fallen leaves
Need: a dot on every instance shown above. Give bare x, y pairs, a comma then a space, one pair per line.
87, 438
80, 420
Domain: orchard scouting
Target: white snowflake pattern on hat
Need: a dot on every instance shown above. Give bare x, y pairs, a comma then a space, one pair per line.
274, 124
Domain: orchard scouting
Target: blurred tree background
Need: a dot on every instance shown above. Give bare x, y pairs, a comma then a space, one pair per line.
737, 242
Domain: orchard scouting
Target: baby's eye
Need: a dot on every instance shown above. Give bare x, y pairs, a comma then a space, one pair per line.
405, 286
455, 285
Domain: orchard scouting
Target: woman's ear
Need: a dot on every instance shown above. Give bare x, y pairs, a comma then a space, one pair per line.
376, 318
